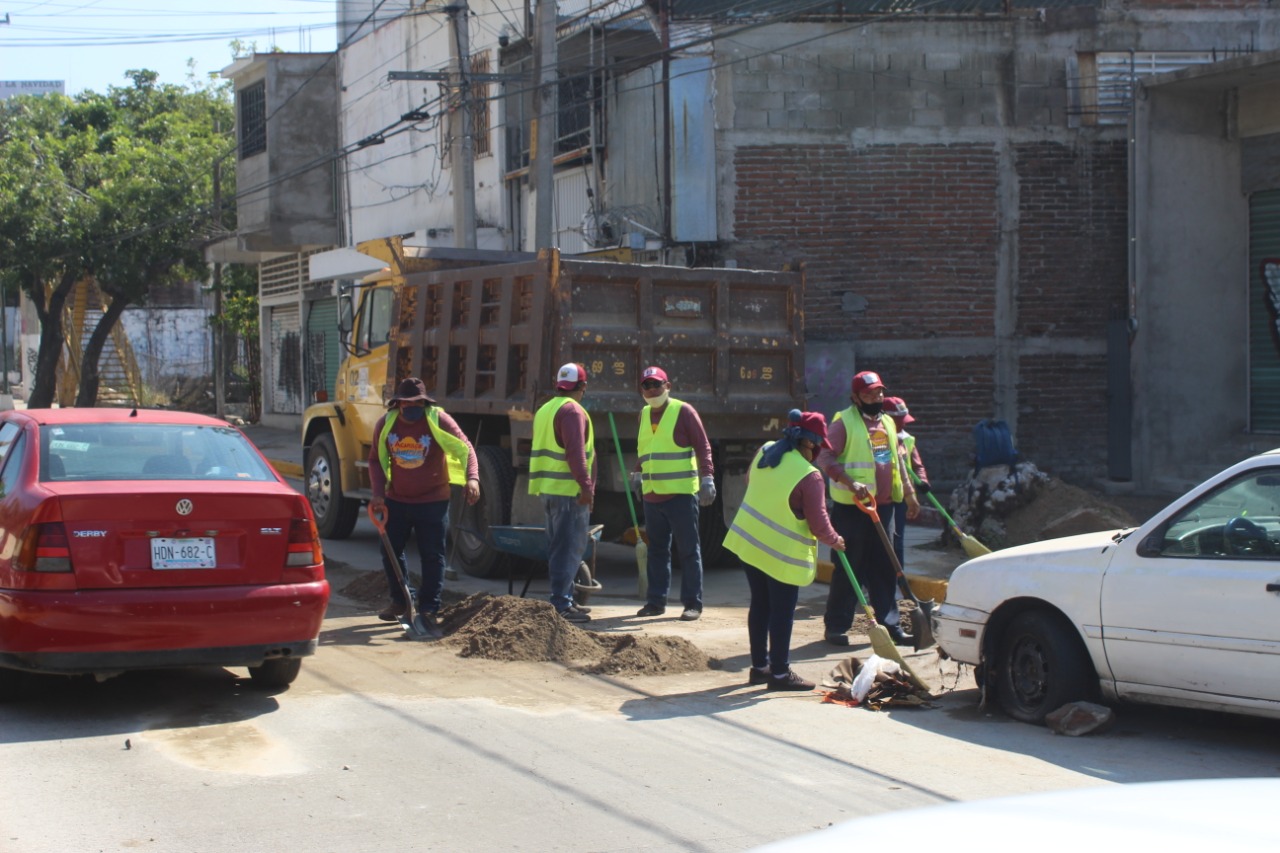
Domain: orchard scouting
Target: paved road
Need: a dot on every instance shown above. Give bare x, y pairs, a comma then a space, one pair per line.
383, 744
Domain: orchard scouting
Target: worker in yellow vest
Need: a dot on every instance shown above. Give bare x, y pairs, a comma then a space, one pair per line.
896, 408
562, 473
863, 463
677, 475
418, 453
776, 533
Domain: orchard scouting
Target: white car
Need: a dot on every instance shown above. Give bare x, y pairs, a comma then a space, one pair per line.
1184, 610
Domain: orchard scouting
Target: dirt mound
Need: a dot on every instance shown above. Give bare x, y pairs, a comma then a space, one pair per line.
505, 628
370, 587
1004, 507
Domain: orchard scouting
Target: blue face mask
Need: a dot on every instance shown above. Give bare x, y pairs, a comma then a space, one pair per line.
413, 414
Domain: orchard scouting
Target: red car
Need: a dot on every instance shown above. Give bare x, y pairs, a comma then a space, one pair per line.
143, 539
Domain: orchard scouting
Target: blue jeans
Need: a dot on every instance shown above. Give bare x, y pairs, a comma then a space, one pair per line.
430, 522
769, 621
567, 536
871, 565
665, 521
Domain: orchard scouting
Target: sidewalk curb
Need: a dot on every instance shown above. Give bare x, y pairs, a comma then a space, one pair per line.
286, 469
924, 587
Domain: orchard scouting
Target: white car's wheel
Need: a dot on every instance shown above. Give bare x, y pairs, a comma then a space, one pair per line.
1042, 666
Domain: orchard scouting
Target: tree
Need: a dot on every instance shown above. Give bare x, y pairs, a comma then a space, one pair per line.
117, 186
238, 320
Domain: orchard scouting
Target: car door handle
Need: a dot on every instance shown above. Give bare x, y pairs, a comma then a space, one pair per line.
1273, 587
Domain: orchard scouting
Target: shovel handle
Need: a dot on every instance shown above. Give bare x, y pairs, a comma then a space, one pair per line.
869, 507
378, 517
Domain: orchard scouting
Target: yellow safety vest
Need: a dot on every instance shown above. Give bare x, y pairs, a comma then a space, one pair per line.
765, 532
666, 467
549, 472
456, 453
908, 444
857, 459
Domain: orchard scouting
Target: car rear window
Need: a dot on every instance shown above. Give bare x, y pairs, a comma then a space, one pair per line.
87, 452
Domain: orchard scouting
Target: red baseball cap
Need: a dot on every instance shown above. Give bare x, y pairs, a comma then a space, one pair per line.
896, 407
865, 380
570, 375
814, 424
653, 373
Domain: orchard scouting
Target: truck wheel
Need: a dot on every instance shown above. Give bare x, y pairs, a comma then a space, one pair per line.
335, 514
469, 525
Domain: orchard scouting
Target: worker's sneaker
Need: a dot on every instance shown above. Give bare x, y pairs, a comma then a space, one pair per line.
573, 614
836, 639
691, 614
451, 574
392, 612
427, 625
651, 610
578, 607
899, 638
790, 681
758, 675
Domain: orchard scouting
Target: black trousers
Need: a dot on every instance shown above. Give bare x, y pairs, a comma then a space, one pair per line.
870, 562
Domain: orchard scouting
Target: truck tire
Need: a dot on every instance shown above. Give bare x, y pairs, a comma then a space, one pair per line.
469, 525
335, 513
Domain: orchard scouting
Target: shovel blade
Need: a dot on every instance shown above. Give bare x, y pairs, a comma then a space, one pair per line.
922, 625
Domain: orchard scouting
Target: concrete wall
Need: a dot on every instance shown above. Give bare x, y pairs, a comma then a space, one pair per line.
169, 343
405, 185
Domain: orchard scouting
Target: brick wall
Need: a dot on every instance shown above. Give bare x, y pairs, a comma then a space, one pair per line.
1073, 228
909, 228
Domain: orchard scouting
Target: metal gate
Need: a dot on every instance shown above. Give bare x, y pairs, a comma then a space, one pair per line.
323, 347
1264, 311
286, 361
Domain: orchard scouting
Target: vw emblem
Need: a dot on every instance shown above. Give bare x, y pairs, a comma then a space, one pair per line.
184, 507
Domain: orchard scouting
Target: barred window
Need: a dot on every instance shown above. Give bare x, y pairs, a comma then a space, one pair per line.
253, 120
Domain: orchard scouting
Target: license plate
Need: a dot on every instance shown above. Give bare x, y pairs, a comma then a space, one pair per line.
183, 554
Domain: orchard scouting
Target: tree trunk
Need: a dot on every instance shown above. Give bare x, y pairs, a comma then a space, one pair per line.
87, 394
50, 314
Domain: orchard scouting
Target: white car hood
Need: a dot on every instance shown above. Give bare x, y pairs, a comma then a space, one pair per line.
1067, 570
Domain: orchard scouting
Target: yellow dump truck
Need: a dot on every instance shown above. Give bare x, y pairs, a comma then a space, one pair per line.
486, 333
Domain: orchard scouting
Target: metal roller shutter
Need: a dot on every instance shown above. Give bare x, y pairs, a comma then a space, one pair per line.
1264, 311
286, 367
323, 351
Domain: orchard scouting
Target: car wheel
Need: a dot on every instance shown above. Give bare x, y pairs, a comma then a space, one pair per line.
468, 525
335, 514
277, 672
1043, 666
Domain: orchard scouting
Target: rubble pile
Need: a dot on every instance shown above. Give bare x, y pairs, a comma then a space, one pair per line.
1004, 505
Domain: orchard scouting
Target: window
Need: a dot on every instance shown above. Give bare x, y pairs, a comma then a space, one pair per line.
253, 120
12, 463
1240, 520
479, 94
1105, 81
95, 452
375, 319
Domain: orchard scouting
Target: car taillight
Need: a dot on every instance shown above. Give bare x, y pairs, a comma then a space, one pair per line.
304, 544
43, 548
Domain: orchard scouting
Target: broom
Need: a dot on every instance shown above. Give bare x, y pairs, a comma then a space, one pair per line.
881, 643
972, 547
642, 549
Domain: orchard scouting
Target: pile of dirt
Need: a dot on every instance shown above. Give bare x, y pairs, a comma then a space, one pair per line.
371, 588
632, 654
1004, 507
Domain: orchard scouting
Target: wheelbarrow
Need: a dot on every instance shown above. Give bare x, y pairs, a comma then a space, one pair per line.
530, 541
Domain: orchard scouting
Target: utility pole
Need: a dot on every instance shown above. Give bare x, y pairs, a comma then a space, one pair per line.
461, 136
546, 112
219, 333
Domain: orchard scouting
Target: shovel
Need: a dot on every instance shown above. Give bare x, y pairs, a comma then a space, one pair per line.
642, 549
921, 629
414, 628
881, 643
972, 547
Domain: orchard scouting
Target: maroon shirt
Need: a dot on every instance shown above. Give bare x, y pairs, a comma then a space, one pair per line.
419, 470
688, 432
570, 425
808, 500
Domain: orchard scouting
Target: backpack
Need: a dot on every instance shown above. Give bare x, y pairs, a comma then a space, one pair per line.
993, 445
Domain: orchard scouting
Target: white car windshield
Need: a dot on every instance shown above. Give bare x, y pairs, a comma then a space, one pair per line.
89, 452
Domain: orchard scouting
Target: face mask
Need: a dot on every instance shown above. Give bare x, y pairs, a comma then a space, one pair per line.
657, 402
413, 414
871, 410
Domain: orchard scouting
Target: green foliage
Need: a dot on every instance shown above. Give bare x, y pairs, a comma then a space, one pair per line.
115, 185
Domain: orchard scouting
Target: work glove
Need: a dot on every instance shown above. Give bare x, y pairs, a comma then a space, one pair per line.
923, 488
707, 491
637, 482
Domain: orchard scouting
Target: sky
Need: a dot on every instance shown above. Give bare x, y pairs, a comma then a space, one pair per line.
90, 44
